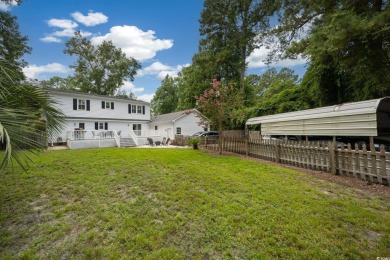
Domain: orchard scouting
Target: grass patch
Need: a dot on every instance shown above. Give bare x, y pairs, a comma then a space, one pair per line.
179, 203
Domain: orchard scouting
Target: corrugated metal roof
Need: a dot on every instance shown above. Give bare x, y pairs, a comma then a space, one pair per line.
349, 119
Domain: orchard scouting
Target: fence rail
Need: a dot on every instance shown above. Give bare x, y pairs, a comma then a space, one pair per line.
364, 163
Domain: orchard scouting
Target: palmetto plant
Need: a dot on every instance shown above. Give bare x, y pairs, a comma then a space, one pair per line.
27, 114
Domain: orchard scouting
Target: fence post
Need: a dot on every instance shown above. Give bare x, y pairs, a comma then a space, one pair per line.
374, 172
205, 141
383, 175
246, 145
277, 153
221, 143
332, 165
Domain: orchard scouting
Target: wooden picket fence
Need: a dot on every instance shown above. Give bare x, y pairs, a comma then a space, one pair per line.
366, 164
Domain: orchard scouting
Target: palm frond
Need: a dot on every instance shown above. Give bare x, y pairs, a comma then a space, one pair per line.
22, 108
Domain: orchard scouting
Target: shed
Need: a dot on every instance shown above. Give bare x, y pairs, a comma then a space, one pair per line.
365, 118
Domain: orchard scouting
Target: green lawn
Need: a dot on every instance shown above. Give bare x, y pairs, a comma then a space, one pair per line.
179, 203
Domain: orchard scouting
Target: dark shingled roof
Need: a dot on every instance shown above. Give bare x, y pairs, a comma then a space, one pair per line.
54, 90
171, 116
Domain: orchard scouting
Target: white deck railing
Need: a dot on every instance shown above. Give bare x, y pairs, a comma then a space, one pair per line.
90, 135
134, 136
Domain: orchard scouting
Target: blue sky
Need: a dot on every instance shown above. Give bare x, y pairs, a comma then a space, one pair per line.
162, 35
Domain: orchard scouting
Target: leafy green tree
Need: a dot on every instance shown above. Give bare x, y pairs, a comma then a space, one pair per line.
216, 105
57, 82
27, 113
229, 29
347, 42
272, 82
12, 47
191, 83
275, 92
124, 94
165, 99
100, 69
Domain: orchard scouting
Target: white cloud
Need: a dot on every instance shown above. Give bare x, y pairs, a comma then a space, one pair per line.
91, 19
62, 23
68, 30
69, 33
64, 33
256, 60
34, 71
130, 87
134, 42
146, 97
161, 70
7, 7
50, 39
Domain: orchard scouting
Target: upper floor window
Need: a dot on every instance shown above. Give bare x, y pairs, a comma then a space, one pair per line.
107, 105
81, 104
178, 130
136, 109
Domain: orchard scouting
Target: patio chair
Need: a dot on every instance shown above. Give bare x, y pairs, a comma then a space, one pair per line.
167, 142
164, 141
119, 132
150, 140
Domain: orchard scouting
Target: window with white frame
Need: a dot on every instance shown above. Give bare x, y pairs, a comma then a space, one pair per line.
101, 125
82, 126
139, 109
178, 130
81, 104
107, 105
133, 109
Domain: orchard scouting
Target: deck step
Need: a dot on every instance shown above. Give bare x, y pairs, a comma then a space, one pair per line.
127, 142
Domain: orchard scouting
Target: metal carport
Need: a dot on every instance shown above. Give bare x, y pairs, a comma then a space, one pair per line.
366, 118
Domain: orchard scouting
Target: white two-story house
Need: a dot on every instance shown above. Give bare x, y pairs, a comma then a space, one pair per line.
101, 121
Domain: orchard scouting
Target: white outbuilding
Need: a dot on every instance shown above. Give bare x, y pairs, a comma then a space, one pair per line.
177, 123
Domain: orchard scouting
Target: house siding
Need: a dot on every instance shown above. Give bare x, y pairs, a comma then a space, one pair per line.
120, 110
164, 130
117, 119
189, 124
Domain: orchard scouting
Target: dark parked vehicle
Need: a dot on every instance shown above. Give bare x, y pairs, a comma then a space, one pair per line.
206, 133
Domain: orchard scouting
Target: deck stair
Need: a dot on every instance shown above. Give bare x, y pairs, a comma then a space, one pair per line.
127, 142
